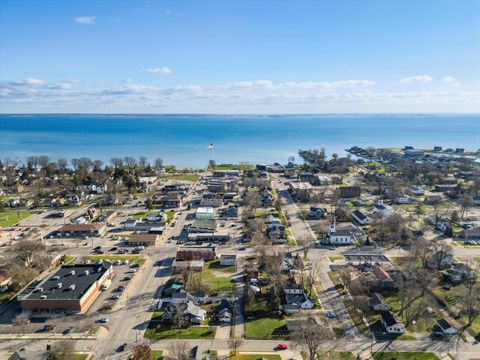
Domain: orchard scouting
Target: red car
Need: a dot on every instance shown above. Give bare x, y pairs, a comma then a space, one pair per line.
282, 347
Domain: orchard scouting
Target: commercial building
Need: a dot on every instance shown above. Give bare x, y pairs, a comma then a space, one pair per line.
69, 288
82, 230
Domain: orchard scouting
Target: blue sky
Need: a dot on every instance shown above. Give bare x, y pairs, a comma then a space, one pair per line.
240, 56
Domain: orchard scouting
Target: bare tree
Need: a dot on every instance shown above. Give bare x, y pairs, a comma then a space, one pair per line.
466, 203
234, 344
178, 351
310, 337
141, 351
26, 250
158, 164
312, 275
63, 350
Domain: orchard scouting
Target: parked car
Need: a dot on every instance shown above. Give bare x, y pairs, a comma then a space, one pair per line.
331, 315
102, 320
67, 331
114, 248
122, 347
114, 297
282, 347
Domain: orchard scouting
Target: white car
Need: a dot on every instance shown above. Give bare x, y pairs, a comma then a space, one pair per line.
131, 271
103, 320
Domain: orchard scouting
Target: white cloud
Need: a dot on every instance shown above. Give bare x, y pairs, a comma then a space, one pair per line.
160, 70
450, 80
33, 81
416, 78
85, 20
260, 96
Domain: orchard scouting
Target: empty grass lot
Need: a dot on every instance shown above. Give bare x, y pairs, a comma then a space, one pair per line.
192, 332
10, 218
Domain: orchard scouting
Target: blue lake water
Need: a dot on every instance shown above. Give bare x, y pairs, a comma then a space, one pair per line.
182, 140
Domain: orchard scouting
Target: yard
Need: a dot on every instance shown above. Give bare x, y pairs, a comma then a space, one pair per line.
219, 284
404, 356
215, 266
192, 332
266, 328
10, 218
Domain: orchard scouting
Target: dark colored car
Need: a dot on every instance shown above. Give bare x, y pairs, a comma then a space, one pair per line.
49, 328
122, 347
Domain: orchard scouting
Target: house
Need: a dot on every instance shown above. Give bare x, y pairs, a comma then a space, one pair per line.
349, 191
360, 217
317, 212
228, 259
188, 265
74, 199
224, 316
295, 298
377, 302
203, 226
339, 236
391, 323
156, 217
417, 190
432, 199
192, 313
446, 328
300, 190
142, 239
276, 232
129, 224
404, 199
381, 209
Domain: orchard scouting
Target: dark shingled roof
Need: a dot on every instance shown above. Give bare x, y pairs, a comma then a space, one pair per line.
389, 318
359, 215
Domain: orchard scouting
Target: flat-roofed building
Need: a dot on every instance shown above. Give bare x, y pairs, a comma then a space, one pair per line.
143, 239
82, 230
69, 288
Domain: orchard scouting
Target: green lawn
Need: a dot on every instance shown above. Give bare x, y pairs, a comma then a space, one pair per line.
255, 356
335, 258
5, 296
218, 283
10, 218
404, 356
192, 332
232, 167
156, 355
266, 328
337, 355
180, 177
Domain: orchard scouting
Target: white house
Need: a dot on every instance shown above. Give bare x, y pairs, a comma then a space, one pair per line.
446, 328
404, 199
391, 324
417, 190
339, 237
382, 209
129, 224
360, 217
295, 299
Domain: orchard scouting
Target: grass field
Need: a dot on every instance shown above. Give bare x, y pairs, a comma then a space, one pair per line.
218, 283
404, 356
265, 328
215, 266
180, 177
193, 332
232, 167
156, 355
10, 218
